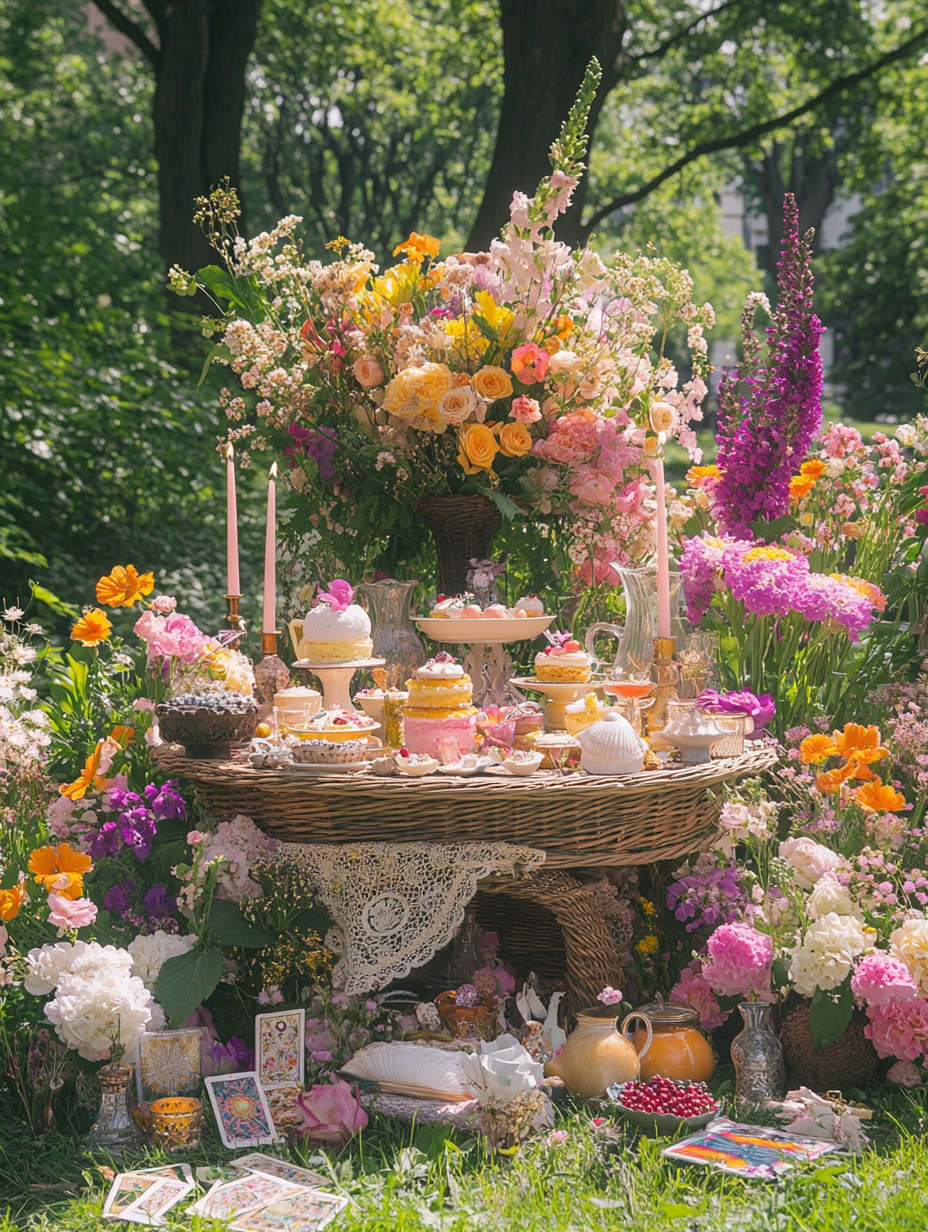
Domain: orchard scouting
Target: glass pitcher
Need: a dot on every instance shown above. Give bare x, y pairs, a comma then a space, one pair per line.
395, 639
634, 650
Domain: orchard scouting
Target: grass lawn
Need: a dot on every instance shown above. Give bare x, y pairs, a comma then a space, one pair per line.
399, 1179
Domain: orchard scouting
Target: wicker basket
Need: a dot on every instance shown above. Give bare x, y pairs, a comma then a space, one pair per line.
462, 528
207, 732
848, 1062
579, 820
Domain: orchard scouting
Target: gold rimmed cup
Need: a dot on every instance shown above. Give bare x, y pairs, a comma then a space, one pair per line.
176, 1122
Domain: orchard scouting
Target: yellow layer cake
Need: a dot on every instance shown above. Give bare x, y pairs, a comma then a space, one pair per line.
439, 694
336, 652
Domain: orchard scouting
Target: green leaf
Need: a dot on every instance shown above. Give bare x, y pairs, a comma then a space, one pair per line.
830, 1014
185, 981
507, 508
771, 531
228, 924
215, 352
313, 919
43, 595
10, 877
485, 328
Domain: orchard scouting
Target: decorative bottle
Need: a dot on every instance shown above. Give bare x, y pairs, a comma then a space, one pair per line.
757, 1055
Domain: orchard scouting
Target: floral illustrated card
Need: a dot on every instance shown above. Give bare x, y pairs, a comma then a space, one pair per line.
241, 1110
280, 1047
127, 1188
151, 1207
257, 1162
283, 1106
306, 1211
248, 1193
169, 1064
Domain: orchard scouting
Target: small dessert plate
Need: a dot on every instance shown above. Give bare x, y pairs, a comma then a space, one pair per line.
523, 768
321, 767
416, 769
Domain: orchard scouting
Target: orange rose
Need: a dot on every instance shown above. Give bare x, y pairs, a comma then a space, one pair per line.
491, 383
367, 371
515, 440
478, 448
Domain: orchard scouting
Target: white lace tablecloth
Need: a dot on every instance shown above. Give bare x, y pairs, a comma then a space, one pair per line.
397, 904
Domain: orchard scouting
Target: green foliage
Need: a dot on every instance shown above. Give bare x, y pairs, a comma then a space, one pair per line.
185, 981
830, 1013
229, 926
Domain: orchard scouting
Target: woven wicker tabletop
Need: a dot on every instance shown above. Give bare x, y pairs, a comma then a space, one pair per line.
577, 819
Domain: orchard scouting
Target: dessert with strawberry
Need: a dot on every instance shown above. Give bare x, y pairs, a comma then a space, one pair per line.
563, 660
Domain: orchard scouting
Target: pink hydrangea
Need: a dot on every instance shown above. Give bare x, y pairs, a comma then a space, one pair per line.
899, 1029
171, 637
693, 990
881, 979
739, 961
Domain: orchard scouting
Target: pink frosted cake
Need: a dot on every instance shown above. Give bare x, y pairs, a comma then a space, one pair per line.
439, 705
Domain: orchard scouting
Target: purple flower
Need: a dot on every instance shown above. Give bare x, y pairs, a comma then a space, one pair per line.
320, 444
157, 901
769, 415
228, 1058
105, 842
706, 898
119, 898
760, 707
165, 802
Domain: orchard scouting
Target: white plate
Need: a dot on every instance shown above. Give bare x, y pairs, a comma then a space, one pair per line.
312, 767
467, 631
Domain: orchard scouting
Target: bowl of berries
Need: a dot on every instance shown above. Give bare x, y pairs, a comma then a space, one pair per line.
662, 1107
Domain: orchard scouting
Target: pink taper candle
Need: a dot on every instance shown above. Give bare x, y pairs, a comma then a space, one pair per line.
232, 580
269, 623
656, 466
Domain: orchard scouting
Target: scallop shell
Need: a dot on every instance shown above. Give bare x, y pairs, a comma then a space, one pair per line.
610, 746
411, 1069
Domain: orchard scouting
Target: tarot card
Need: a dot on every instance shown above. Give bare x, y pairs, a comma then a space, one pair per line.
247, 1193
241, 1110
127, 1188
160, 1198
169, 1064
256, 1162
282, 1103
279, 1047
306, 1211
176, 1172
747, 1150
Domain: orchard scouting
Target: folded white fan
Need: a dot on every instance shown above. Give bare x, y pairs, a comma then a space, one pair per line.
411, 1069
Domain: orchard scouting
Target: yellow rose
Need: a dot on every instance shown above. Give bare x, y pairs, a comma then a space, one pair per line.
515, 440
491, 383
457, 405
478, 448
414, 393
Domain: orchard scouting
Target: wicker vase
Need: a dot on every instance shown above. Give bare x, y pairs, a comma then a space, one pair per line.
848, 1062
462, 529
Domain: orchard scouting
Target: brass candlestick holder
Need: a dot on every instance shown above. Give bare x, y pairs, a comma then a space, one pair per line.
233, 619
667, 671
271, 674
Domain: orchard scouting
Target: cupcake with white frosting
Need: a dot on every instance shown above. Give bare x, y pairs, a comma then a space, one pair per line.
563, 661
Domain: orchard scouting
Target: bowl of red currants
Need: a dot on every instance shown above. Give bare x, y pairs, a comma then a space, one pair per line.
662, 1107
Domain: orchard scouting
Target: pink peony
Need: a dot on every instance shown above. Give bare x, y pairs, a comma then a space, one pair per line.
525, 409
591, 487
66, 913
740, 959
905, 1074
880, 979
174, 636
331, 1114
693, 990
899, 1029
339, 596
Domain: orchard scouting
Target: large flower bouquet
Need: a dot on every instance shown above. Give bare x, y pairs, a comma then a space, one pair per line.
530, 374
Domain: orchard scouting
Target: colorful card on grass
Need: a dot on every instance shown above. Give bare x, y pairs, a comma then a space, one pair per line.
241, 1110
169, 1064
176, 1172
247, 1193
127, 1188
306, 1211
157, 1201
257, 1162
282, 1103
747, 1150
279, 1047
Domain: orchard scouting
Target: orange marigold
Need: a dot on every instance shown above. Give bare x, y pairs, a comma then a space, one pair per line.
60, 869
816, 749
93, 627
813, 469
879, 798
11, 900
124, 586
800, 486
858, 739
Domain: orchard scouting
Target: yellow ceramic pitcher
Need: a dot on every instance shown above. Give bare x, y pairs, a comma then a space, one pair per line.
596, 1055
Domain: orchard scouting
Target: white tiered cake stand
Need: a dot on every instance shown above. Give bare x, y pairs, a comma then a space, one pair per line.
335, 679
558, 696
487, 662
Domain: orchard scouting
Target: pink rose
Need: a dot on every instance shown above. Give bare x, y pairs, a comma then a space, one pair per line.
592, 488
525, 409
693, 990
66, 913
331, 1114
609, 996
195, 837
810, 860
163, 604
367, 372
905, 1074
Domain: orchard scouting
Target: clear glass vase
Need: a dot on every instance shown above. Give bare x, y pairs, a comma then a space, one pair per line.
395, 638
635, 640
114, 1127
757, 1055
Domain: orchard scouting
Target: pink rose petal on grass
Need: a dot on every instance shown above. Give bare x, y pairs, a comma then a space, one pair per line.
331, 1113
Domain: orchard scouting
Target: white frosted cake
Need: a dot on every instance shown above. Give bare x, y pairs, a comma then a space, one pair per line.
336, 630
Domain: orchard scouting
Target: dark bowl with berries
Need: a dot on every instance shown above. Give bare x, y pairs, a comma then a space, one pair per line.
207, 725
662, 1108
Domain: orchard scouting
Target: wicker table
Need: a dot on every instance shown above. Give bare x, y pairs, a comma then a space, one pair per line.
582, 822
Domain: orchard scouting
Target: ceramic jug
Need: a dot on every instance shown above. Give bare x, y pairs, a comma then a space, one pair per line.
596, 1055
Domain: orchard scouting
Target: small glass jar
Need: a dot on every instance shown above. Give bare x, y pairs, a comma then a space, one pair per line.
736, 722
176, 1123
679, 1049
393, 721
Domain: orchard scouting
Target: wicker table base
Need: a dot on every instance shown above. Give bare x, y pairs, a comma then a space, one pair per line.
578, 820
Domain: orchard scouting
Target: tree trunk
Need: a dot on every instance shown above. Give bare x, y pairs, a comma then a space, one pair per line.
547, 45
813, 180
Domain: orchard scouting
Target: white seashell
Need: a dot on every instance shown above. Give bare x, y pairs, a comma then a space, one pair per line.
610, 746
411, 1069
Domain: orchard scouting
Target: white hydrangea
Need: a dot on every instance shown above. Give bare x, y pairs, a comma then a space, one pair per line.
909, 943
829, 895
45, 966
93, 1012
809, 860
149, 954
827, 953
